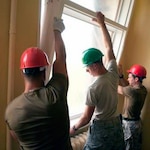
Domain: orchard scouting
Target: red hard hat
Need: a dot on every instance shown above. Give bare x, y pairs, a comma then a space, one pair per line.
33, 57
138, 70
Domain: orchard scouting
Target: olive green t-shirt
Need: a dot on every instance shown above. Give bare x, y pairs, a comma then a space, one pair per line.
134, 101
40, 118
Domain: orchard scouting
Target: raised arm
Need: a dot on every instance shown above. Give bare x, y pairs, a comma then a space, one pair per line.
122, 82
60, 61
108, 53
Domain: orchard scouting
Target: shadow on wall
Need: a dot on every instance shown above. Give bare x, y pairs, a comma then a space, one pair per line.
146, 123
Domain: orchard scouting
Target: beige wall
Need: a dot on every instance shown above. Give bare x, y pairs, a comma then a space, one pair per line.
4, 15
26, 35
137, 50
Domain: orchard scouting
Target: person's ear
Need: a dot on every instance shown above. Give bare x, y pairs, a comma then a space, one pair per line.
136, 79
94, 66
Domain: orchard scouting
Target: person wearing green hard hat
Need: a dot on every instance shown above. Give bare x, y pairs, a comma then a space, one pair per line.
105, 130
91, 56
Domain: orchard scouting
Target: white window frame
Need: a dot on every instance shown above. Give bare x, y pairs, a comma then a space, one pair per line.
73, 9
77, 11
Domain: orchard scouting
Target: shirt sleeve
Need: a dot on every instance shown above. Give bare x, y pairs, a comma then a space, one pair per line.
59, 82
90, 97
112, 66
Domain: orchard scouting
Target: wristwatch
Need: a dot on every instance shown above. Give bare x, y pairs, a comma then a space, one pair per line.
74, 128
121, 76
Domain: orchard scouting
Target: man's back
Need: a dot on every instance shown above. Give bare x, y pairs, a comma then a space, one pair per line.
40, 119
103, 93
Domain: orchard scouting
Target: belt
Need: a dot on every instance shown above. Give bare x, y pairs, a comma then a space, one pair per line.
113, 120
131, 119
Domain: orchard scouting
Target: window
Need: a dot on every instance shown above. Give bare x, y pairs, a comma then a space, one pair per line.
81, 33
116, 10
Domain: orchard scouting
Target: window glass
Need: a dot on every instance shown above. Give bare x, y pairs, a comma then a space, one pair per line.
116, 10
118, 42
109, 7
78, 36
81, 33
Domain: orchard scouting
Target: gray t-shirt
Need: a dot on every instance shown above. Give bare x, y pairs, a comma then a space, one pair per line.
103, 93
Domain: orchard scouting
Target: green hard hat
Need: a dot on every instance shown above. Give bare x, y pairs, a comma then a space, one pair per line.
91, 56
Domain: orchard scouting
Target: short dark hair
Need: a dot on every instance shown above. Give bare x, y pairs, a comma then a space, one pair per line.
32, 72
140, 78
99, 61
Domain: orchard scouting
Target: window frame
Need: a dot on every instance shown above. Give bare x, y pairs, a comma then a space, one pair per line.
77, 11
73, 9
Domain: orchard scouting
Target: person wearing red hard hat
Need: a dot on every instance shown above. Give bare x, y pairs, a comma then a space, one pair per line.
135, 94
39, 118
33, 57
138, 71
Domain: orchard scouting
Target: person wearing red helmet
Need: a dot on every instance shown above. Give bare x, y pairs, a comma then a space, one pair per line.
38, 119
135, 94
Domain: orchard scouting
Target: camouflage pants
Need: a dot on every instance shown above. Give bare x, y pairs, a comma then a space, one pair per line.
105, 135
132, 134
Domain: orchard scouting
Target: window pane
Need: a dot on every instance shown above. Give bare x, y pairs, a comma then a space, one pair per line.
108, 7
81, 33
118, 41
78, 36
116, 10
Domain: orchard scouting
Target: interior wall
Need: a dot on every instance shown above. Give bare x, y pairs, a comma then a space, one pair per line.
4, 25
26, 35
137, 51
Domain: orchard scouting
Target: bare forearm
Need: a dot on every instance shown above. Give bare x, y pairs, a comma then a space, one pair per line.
108, 52
59, 46
59, 65
106, 36
82, 122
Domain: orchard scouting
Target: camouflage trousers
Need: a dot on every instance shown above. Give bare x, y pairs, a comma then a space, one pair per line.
132, 134
105, 135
